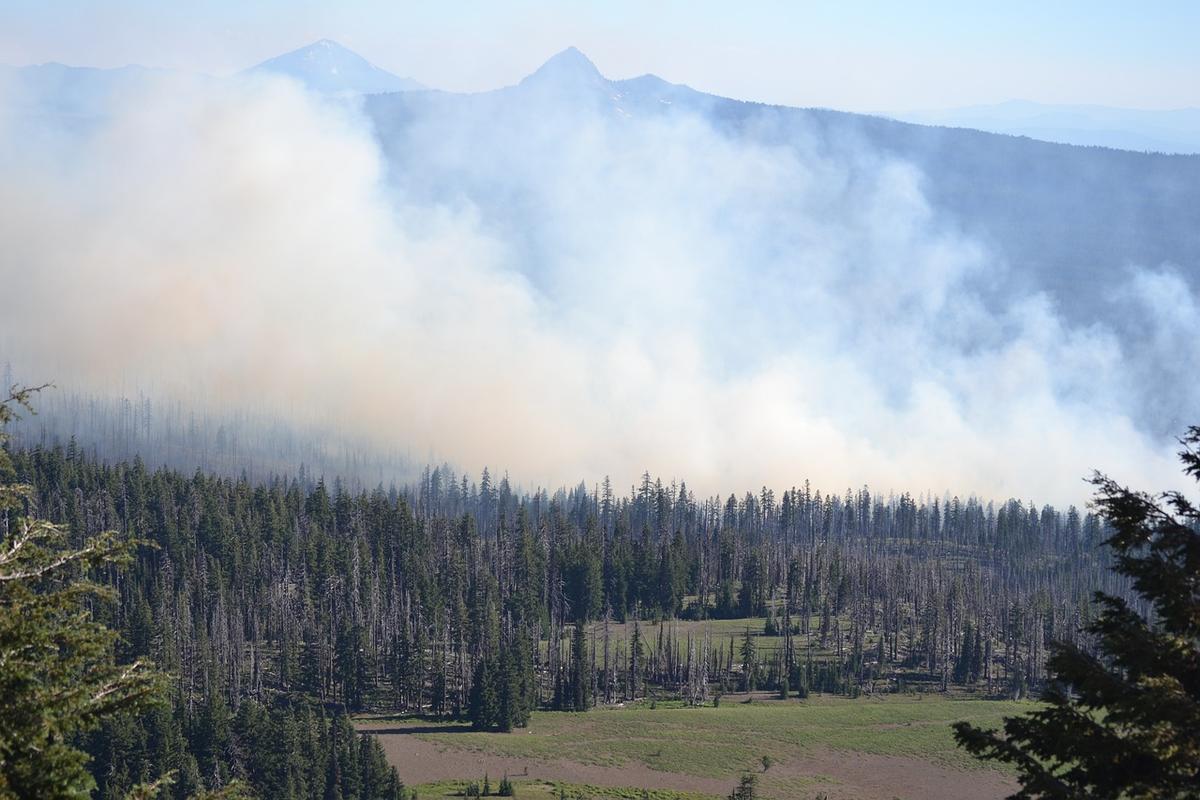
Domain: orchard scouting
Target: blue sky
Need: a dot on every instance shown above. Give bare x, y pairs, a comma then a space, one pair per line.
853, 55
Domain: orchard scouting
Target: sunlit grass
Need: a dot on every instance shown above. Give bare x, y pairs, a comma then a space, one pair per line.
722, 742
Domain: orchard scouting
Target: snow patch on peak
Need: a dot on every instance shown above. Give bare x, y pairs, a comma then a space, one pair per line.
327, 66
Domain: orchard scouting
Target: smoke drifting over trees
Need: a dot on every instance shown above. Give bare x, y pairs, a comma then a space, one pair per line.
560, 278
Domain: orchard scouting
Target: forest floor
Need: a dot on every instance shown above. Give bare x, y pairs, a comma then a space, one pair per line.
878, 748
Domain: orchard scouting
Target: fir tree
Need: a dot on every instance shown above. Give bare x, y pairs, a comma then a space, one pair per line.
485, 699
746, 789
749, 662
58, 673
580, 684
1124, 722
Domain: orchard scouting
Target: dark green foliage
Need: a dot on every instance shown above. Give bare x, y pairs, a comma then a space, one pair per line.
1123, 722
431, 599
584, 579
752, 596
350, 665
969, 661
636, 660
579, 691
59, 676
289, 751
294, 750
62, 685
749, 655
503, 690
746, 789
725, 608
388, 599
484, 710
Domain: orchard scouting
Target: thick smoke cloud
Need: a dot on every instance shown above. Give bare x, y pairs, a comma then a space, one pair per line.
594, 294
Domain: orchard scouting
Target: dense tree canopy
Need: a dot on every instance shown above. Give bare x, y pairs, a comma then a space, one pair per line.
58, 672
84, 713
459, 598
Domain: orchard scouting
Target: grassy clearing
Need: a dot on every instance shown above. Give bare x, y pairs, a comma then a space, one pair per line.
720, 631
722, 742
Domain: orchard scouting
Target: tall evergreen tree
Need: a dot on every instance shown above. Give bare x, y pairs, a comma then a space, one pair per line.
484, 709
1123, 722
749, 662
580, 683
58, 672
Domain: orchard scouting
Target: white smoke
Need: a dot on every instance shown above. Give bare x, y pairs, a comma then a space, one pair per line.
602, 295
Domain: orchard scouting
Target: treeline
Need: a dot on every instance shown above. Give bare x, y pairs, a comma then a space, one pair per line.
461, 598
294, 749
257, 442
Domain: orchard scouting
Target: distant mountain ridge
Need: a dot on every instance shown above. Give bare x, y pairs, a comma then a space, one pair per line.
326, 66
1070, 221
75, 92
1163, 131
1063, 222
814, 224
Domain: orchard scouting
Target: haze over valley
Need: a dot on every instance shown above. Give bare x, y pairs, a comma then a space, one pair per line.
599, 401
575, 277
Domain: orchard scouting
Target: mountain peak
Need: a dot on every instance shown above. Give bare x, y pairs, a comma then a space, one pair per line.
321, 52
570, 67
327, 66
325, 45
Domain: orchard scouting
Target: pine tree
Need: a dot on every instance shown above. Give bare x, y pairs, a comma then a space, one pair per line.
1125, 722
485, 700
746, 789
749, 662
58, 675
522, 682
976, 657
310, 666
349, 669
581, 668
963, 664
510, 703
635, 659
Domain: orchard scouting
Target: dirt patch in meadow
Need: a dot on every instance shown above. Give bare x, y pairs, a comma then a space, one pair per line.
840, 776
875, 777
421, 761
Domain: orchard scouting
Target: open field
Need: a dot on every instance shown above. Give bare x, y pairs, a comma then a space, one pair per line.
884, 747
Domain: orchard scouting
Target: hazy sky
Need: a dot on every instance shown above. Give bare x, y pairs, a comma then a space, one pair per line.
852, 55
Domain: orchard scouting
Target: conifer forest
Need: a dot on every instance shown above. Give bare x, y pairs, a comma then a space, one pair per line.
459, 597
599, 400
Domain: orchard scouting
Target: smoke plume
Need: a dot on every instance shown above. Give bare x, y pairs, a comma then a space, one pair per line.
580, 295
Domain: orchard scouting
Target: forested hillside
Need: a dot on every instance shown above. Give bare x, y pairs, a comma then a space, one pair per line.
257, 443
462, 597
